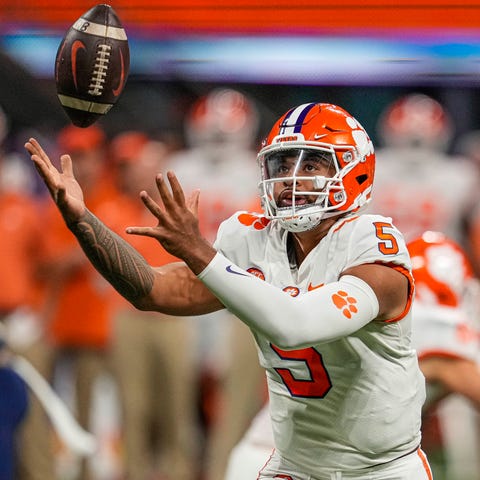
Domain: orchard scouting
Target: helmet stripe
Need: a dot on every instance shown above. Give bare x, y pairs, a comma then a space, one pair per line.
293, 121
302, 116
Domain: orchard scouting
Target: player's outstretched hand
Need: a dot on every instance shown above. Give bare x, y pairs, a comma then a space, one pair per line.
177, 228
64, 188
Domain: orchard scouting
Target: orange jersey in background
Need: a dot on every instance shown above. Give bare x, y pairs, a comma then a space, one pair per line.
19, 242
79, 297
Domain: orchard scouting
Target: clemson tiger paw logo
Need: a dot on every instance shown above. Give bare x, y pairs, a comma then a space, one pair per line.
345, 303
251, 220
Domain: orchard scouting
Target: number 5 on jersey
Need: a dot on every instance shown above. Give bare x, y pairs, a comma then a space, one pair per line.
388, 245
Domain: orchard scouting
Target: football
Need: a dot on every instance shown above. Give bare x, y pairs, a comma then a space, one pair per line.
92, 65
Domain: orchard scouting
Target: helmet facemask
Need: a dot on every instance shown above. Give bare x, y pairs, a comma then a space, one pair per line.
302, 184
342, 184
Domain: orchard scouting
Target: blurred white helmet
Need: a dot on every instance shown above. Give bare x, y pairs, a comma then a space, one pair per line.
222, 117
416, 120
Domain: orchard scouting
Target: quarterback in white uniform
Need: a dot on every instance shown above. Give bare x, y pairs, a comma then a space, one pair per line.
332, 376
446, 313
326, 292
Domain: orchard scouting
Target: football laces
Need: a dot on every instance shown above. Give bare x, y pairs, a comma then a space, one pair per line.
100, 70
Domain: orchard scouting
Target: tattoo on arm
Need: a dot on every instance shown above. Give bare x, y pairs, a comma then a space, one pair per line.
120, 264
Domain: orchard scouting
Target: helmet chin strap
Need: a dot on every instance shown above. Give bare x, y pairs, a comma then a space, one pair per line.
304, 223
301, 223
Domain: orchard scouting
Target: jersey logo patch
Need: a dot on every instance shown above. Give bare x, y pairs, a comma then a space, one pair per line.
251, 220
256, 272
345, 303
292, 291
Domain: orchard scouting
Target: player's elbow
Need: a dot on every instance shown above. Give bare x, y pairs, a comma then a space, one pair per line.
145, 304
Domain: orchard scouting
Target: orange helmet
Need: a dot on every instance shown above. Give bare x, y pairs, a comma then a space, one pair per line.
416, 120
442, 271
323, 130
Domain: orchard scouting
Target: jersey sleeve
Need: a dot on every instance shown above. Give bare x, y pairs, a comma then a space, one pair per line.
234, 237
374, 239
226, 232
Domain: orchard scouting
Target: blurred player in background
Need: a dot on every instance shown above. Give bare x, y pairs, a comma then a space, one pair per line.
416, 182
153, 358
326, 292
422, 187
446, 335
21, 299
220, 131
446, 313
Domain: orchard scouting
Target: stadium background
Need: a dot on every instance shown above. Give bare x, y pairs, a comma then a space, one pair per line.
359, 54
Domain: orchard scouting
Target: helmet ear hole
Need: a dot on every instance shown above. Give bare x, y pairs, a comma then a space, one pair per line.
361, 178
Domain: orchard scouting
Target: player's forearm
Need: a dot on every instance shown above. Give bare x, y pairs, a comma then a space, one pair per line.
114, 258
335, 310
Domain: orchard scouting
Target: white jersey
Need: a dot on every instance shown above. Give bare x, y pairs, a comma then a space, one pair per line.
443, 330
350, 403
